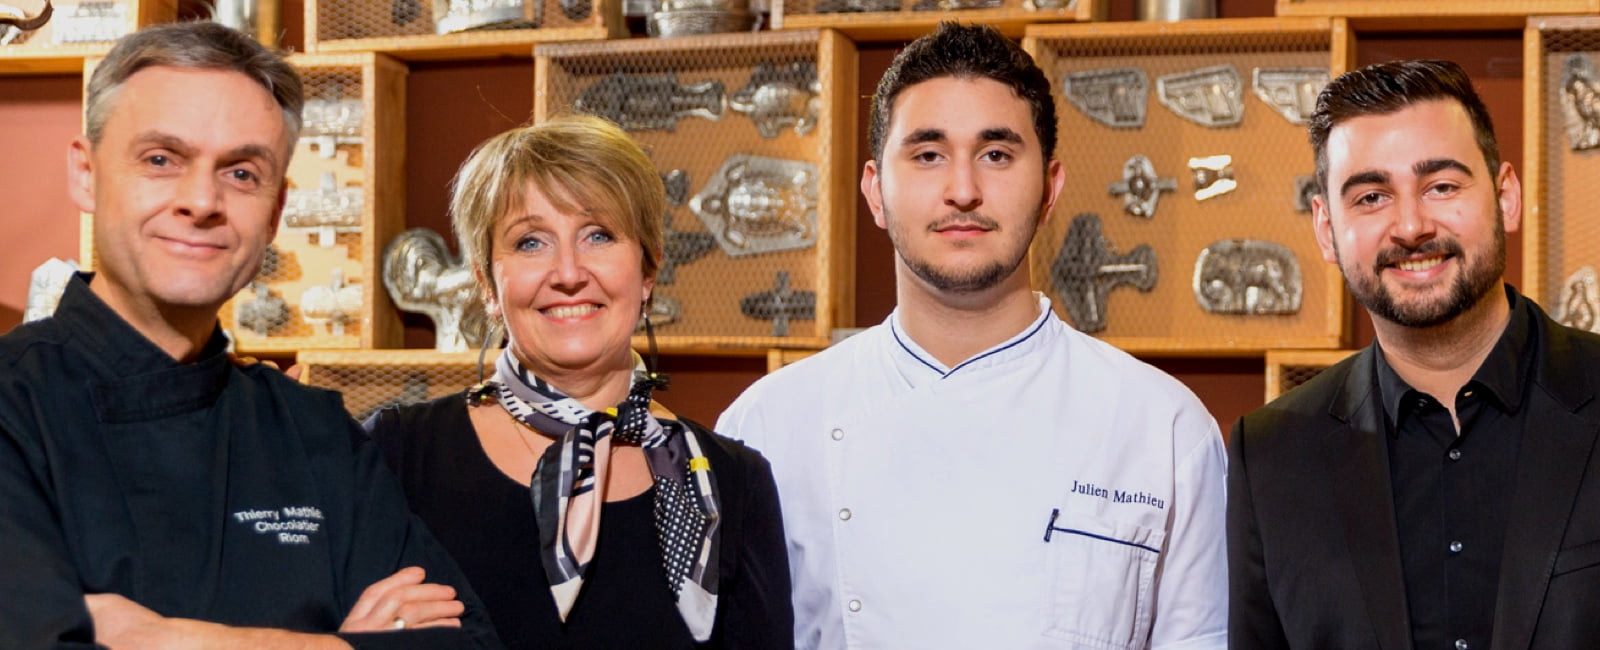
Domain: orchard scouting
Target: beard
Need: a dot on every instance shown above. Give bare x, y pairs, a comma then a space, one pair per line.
1477, 278
972, 279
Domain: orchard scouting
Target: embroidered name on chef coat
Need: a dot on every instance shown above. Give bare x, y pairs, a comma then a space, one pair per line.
1119, 496
290, 525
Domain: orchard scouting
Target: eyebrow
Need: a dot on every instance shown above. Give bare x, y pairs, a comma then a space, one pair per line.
1369, 177
992, 134
1436, 165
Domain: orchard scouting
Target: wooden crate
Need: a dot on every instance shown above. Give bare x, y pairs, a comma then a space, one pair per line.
710, 288
1287, 369
1560, 230
363, 26
1268, 151
305, 258
1431, 15
1012, 17
373, 379
39, 54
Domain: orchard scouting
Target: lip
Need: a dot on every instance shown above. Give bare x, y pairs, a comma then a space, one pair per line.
961, 230
574, 311
191, 248
1439, 262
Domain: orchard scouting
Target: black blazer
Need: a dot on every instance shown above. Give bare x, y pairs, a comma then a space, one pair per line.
1313, 553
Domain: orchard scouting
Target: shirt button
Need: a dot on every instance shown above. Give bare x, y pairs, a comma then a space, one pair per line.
1455, 454
1461, 644
1467, 394
838, 434
855, 606
844, 514
1455, 547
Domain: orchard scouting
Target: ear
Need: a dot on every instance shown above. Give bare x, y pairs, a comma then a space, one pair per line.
283, 199
1510, 197
650, 285
80, 173
872, 189
491, 299
1054, 178
1322, 226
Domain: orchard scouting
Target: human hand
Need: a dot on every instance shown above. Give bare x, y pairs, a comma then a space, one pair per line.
403, 601
293, 372
122, 624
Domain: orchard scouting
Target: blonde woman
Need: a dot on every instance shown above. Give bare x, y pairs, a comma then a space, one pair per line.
584, 514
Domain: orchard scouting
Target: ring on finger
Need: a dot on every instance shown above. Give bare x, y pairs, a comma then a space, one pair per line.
399, 623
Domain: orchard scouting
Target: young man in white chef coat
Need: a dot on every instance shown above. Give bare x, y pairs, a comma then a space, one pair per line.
973, 472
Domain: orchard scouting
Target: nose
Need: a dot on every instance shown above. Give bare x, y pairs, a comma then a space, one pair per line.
1413, 223
199, 194
571, 271
961, 191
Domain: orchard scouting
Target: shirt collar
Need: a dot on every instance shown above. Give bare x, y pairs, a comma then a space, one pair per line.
1504, 374
918, 366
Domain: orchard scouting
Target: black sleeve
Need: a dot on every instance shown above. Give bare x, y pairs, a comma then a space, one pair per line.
385, 522
1252, 618
761, 608
41, 604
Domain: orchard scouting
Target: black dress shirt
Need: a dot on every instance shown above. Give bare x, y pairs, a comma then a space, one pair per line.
1451, 492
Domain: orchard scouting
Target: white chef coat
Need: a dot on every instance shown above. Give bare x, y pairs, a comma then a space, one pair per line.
917, 498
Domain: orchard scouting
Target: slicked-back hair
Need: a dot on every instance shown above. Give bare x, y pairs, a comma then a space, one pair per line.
1384, 88
581, 164
193, 45
965, 52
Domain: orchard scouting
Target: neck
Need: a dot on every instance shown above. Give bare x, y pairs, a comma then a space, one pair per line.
181, 332
954, 327
1439, 360
597, 387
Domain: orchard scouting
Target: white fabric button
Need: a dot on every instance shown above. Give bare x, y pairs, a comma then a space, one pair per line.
855, 605
838, 434
844, 514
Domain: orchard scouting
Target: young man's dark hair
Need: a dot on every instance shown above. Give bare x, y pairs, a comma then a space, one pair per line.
1388, 87
956, 50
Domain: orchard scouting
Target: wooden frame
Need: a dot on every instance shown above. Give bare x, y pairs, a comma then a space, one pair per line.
700, 146
378, 161
605, 21
780, 357
1268, 152
39, 56
1559, 228
1434, 15
1282, 367
1012, 19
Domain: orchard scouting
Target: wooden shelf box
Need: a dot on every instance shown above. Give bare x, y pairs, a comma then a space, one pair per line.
1560, 230
43, 52
373, 379
709, 288
1268, 153
364, 165
1414, 15
365, 25
1287, 369
1011, 17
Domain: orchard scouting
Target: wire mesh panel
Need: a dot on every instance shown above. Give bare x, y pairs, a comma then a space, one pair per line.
76, 29
437, 29
908, 19
753, 135
1182, 225
1433, 10
1561, 232
1287, 369
318, 286
374, 379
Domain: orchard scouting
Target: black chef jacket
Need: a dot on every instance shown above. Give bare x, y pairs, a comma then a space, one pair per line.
203, 490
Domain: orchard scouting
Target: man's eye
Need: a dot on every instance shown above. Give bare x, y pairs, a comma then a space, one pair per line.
242, 175
158, 160
996, 156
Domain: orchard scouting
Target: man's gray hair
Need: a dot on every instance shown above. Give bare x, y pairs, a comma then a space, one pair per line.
198, 45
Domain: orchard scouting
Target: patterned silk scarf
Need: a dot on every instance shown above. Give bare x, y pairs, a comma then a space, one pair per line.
569, 479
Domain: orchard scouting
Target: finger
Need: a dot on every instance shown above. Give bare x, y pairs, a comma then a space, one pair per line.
375, 593
426, 614
295, 371
443, 622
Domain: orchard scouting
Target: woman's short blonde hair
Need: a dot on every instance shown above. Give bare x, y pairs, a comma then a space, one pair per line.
581, 163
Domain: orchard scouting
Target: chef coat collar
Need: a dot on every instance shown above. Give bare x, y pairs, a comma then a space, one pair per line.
918, 366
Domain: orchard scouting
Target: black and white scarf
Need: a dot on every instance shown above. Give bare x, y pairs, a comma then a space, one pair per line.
569, 480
